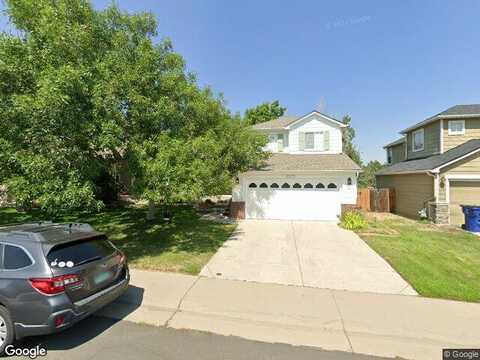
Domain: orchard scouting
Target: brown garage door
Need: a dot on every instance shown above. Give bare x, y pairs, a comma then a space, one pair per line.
462, 193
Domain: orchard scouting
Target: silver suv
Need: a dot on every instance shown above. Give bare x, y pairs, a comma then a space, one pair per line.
53, 275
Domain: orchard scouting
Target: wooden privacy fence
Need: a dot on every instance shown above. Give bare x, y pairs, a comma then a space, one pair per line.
379, 200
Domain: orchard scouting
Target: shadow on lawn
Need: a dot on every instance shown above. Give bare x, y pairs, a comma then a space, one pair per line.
138, 237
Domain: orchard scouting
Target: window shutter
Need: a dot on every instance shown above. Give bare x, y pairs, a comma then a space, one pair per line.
301, 141
280, 143
326, 140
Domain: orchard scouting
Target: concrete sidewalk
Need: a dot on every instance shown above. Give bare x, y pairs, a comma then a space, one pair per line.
365, 323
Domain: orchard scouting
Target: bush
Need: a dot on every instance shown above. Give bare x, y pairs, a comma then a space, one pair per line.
353, 220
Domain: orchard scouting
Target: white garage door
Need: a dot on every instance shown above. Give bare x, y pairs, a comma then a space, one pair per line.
296, 202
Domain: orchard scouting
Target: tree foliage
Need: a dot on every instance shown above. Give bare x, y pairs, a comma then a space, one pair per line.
349, 147
82, 90
367, 177
264, 112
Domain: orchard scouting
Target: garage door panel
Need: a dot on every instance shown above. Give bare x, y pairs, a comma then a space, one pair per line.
462, 193
293, 204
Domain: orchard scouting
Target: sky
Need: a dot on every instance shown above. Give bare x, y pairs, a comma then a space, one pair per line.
387, 64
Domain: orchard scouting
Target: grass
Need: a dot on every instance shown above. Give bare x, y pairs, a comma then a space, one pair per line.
184, 245
438, 262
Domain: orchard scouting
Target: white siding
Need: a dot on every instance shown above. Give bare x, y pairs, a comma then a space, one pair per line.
315, 124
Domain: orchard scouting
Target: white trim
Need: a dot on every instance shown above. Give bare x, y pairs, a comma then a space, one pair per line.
452, 133
463, 176
457, 159
339, 123
436, 186
421, 130
441, 136
447, 190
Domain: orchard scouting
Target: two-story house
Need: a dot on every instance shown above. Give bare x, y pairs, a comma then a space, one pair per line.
435, 167
307, 176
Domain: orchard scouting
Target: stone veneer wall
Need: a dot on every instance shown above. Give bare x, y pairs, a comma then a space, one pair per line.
439, 213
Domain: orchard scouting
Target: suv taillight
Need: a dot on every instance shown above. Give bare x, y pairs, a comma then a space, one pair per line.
55, 285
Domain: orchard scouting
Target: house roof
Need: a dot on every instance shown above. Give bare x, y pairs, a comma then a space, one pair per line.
283, 122
396, 142
280, 162
435, 162
276, 124
457, 111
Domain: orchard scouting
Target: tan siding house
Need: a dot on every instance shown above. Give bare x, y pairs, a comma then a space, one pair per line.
472, 131
431, 142
413, 192
443, 172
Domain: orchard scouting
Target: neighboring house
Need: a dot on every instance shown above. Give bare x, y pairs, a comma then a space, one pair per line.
440, 166
307, 176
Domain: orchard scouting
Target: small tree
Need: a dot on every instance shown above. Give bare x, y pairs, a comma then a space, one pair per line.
367, 177
349, 147
264, 112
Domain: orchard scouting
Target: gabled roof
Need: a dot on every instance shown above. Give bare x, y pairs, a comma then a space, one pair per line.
433, 163
284, 122
276, 124
280, 162
396, 142
457, 111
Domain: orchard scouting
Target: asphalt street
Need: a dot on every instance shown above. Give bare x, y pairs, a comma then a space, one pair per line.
104, 338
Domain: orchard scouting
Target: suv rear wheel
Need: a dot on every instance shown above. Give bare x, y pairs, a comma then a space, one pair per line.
6, 329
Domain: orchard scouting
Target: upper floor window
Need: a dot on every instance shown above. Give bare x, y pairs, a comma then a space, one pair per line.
309, 141
389, 155
314, 141
456, 127
418, 140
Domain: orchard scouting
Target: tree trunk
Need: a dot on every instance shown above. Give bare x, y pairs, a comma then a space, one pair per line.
151, 210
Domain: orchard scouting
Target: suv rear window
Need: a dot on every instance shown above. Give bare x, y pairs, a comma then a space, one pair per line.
80, 252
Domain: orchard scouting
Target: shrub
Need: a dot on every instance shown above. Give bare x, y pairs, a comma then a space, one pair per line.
353, 220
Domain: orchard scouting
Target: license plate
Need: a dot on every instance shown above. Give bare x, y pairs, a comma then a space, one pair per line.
101, 277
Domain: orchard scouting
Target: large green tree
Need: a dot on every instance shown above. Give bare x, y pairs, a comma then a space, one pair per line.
264, 112
83, 90
349, 147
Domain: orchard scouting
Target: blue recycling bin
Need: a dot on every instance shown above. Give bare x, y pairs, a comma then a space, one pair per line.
472, 217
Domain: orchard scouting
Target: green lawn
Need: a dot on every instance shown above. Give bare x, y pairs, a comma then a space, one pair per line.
437, 262
184, 245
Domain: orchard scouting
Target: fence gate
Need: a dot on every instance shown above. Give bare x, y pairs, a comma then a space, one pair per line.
379, 200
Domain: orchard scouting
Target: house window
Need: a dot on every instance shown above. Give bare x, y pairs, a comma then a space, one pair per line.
263, 185
308, 186
320, 186
332, 186
274, 186
309, 141
418, 140
389, 155
456, 127
280, 143
297, 186
252, 185
285, 186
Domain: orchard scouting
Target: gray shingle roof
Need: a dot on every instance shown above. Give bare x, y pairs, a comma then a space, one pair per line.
454, 111
431, 162
396, 142
284, 121
307, 162
276, 124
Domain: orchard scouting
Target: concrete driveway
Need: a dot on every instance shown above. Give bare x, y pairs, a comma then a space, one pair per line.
315, 254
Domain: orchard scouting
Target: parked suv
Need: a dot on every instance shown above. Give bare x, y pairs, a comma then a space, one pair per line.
53, 275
